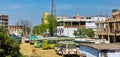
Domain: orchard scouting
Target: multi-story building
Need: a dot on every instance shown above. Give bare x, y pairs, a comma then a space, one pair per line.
66, 27
110, 29
4, 22
16, 29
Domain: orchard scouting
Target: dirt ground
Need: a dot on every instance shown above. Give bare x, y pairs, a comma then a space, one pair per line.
29, 51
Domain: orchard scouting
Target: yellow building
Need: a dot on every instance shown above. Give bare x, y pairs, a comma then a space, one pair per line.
45, 16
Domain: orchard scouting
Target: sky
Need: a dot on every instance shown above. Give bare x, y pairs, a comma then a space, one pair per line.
32, 10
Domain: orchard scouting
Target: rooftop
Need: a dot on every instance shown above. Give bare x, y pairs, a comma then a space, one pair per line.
66, 42
111, 46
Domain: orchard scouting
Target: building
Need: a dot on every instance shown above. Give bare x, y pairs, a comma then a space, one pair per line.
61, 17
44, 18
78, 17
116, 14
4, 22
66, 27
100, 50
15, 29
110, 29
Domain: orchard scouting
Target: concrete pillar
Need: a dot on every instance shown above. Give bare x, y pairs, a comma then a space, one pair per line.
79, 24
108, 32
108, 38
71, 24
102, 38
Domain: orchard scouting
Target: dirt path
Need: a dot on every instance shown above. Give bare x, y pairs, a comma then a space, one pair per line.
30, 51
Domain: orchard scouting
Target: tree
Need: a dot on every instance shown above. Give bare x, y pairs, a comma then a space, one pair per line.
90, 33
52, 23
26, 26
8, 46
40, 29
83, 33
51, 26
75, 33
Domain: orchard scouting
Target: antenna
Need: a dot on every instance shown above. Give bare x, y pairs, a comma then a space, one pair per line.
77, 11
53, 11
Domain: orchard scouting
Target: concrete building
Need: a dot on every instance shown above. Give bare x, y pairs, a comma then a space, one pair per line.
100, 50
4, 22
66, 27
61, 17
110, 29
78, 17
15, 29
116, 14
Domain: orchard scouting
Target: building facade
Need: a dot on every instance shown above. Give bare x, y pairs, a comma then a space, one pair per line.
66, 27
4, 22
61, 17
110, 29
100, 50
16, 29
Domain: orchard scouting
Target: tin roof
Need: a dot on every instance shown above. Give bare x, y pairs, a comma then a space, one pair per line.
66, 42
111, 46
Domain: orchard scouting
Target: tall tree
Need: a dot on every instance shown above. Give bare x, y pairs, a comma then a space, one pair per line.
26, 26
8, 46
51, 26
52, 23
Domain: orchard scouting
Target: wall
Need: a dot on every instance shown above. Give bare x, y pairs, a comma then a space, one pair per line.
90, 52
114, 54
66, 31
69, 32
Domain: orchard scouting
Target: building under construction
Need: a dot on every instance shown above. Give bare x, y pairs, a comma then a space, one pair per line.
110, 29
4, 22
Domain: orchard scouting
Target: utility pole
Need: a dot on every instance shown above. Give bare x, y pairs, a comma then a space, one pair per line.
52, 18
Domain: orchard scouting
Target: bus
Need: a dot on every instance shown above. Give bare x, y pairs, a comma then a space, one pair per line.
66, 48
84, 41
50, 43
32, 39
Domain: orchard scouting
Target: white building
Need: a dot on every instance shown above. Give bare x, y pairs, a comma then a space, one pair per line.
61, 17
66, 27
15, 29
100, 50
91, 23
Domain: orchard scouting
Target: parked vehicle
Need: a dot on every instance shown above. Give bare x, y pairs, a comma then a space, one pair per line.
83, 41
16, 38
48, 44
38, 43
27, 40
32, 39
66, 48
